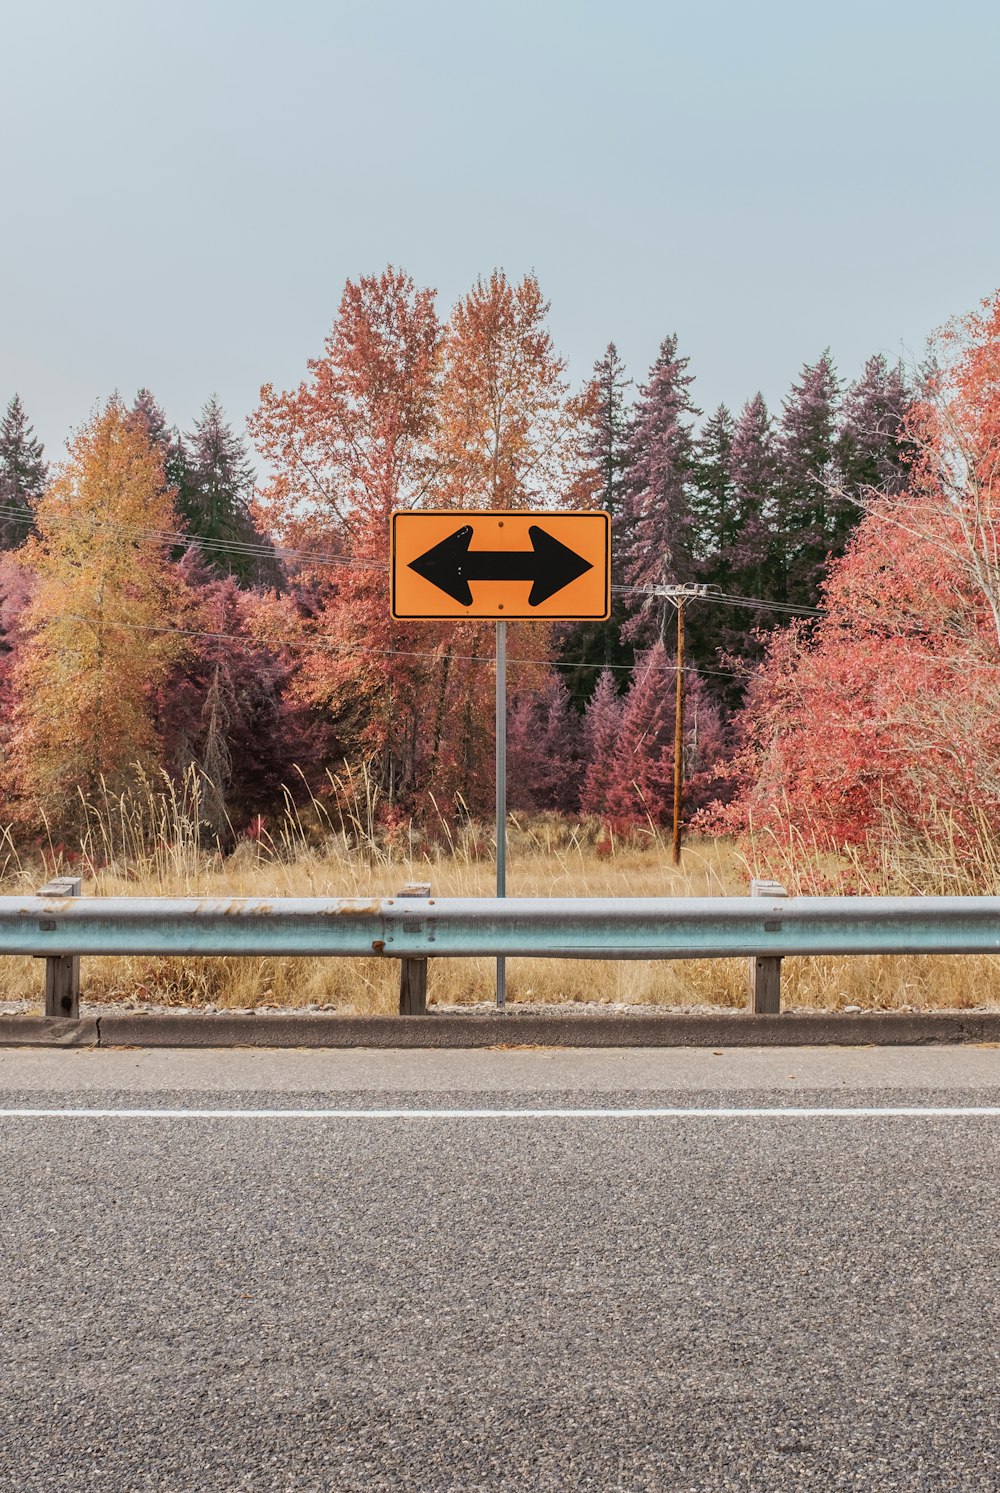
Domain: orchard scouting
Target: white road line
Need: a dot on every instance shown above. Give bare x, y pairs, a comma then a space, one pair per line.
783, 1112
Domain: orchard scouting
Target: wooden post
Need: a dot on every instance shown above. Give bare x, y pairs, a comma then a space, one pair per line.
413, 972
765, 973
679, 734
62, 971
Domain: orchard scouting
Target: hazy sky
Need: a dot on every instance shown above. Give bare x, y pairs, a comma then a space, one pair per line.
188, 184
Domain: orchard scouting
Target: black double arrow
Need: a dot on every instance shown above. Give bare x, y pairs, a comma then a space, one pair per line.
548, 565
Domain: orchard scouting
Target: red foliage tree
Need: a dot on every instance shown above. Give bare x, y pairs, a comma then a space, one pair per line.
884, 720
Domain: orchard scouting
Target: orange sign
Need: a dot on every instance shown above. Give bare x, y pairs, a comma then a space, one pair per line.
504, 566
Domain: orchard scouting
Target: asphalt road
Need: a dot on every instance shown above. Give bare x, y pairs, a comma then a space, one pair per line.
677, 1302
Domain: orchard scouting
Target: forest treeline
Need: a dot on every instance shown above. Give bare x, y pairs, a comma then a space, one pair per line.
163, 611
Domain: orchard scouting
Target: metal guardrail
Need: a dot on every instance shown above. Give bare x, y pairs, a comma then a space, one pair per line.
407, 927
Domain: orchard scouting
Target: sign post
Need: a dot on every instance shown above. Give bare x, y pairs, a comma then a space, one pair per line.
504, 567
501, 735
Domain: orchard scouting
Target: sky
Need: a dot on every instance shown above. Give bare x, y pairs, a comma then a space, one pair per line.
188, 186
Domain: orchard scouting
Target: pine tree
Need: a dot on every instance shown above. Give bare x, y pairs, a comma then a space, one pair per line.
602, 724
214, 500
608, 434
714, 518
23, 474
641, 782
608, 425
655, 520
811, 515
871, 447
165, 438
753, 466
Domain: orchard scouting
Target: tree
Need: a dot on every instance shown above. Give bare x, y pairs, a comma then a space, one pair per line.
226, 711
99, 630
811, 515
165, 438
608, 430
507, 425
753, 470
345, 448
508, 436
879, 724
23, 474
351, 443
602, 723
545, 750
714, 516
640, 789
606, 425
871, 449
214, 500
655, 520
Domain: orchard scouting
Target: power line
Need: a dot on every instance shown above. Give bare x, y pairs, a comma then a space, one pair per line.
269, 551
317, 646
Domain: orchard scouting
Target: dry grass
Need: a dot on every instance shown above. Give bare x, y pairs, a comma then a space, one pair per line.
152, 845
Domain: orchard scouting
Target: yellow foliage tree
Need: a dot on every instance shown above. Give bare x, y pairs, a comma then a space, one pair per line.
100, 628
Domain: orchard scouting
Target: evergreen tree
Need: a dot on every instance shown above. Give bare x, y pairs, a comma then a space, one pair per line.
214, 499
602, 724
586, 644
655, 520
811, 514
607, 438
871, 449
163, 437
753, 466
714, 520
23, 474
640, 786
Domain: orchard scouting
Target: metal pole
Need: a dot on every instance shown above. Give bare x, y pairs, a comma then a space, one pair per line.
501, 794
679, 735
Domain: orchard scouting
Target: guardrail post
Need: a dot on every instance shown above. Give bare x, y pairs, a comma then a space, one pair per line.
413, 972
765, 973
62, 971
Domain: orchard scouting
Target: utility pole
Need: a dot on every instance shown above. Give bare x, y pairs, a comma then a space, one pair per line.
680, 596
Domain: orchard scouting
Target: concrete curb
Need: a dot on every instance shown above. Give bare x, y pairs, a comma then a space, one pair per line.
561, 1029
48, 1031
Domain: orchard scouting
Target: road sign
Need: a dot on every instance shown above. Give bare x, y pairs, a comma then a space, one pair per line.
502, 566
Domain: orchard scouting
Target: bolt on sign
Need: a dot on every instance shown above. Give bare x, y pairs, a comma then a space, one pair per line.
506, 567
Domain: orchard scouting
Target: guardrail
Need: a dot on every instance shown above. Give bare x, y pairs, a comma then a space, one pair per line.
764, 928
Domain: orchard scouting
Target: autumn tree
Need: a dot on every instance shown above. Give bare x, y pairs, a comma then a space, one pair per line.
99, 628
226, 712
23, 474
879, 723
506, 426
347, 446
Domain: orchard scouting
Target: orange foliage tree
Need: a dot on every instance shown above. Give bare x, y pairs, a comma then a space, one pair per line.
398, 413
346, 447
509, 435
98, 636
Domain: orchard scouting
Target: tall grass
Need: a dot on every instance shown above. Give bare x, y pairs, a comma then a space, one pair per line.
154, 841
